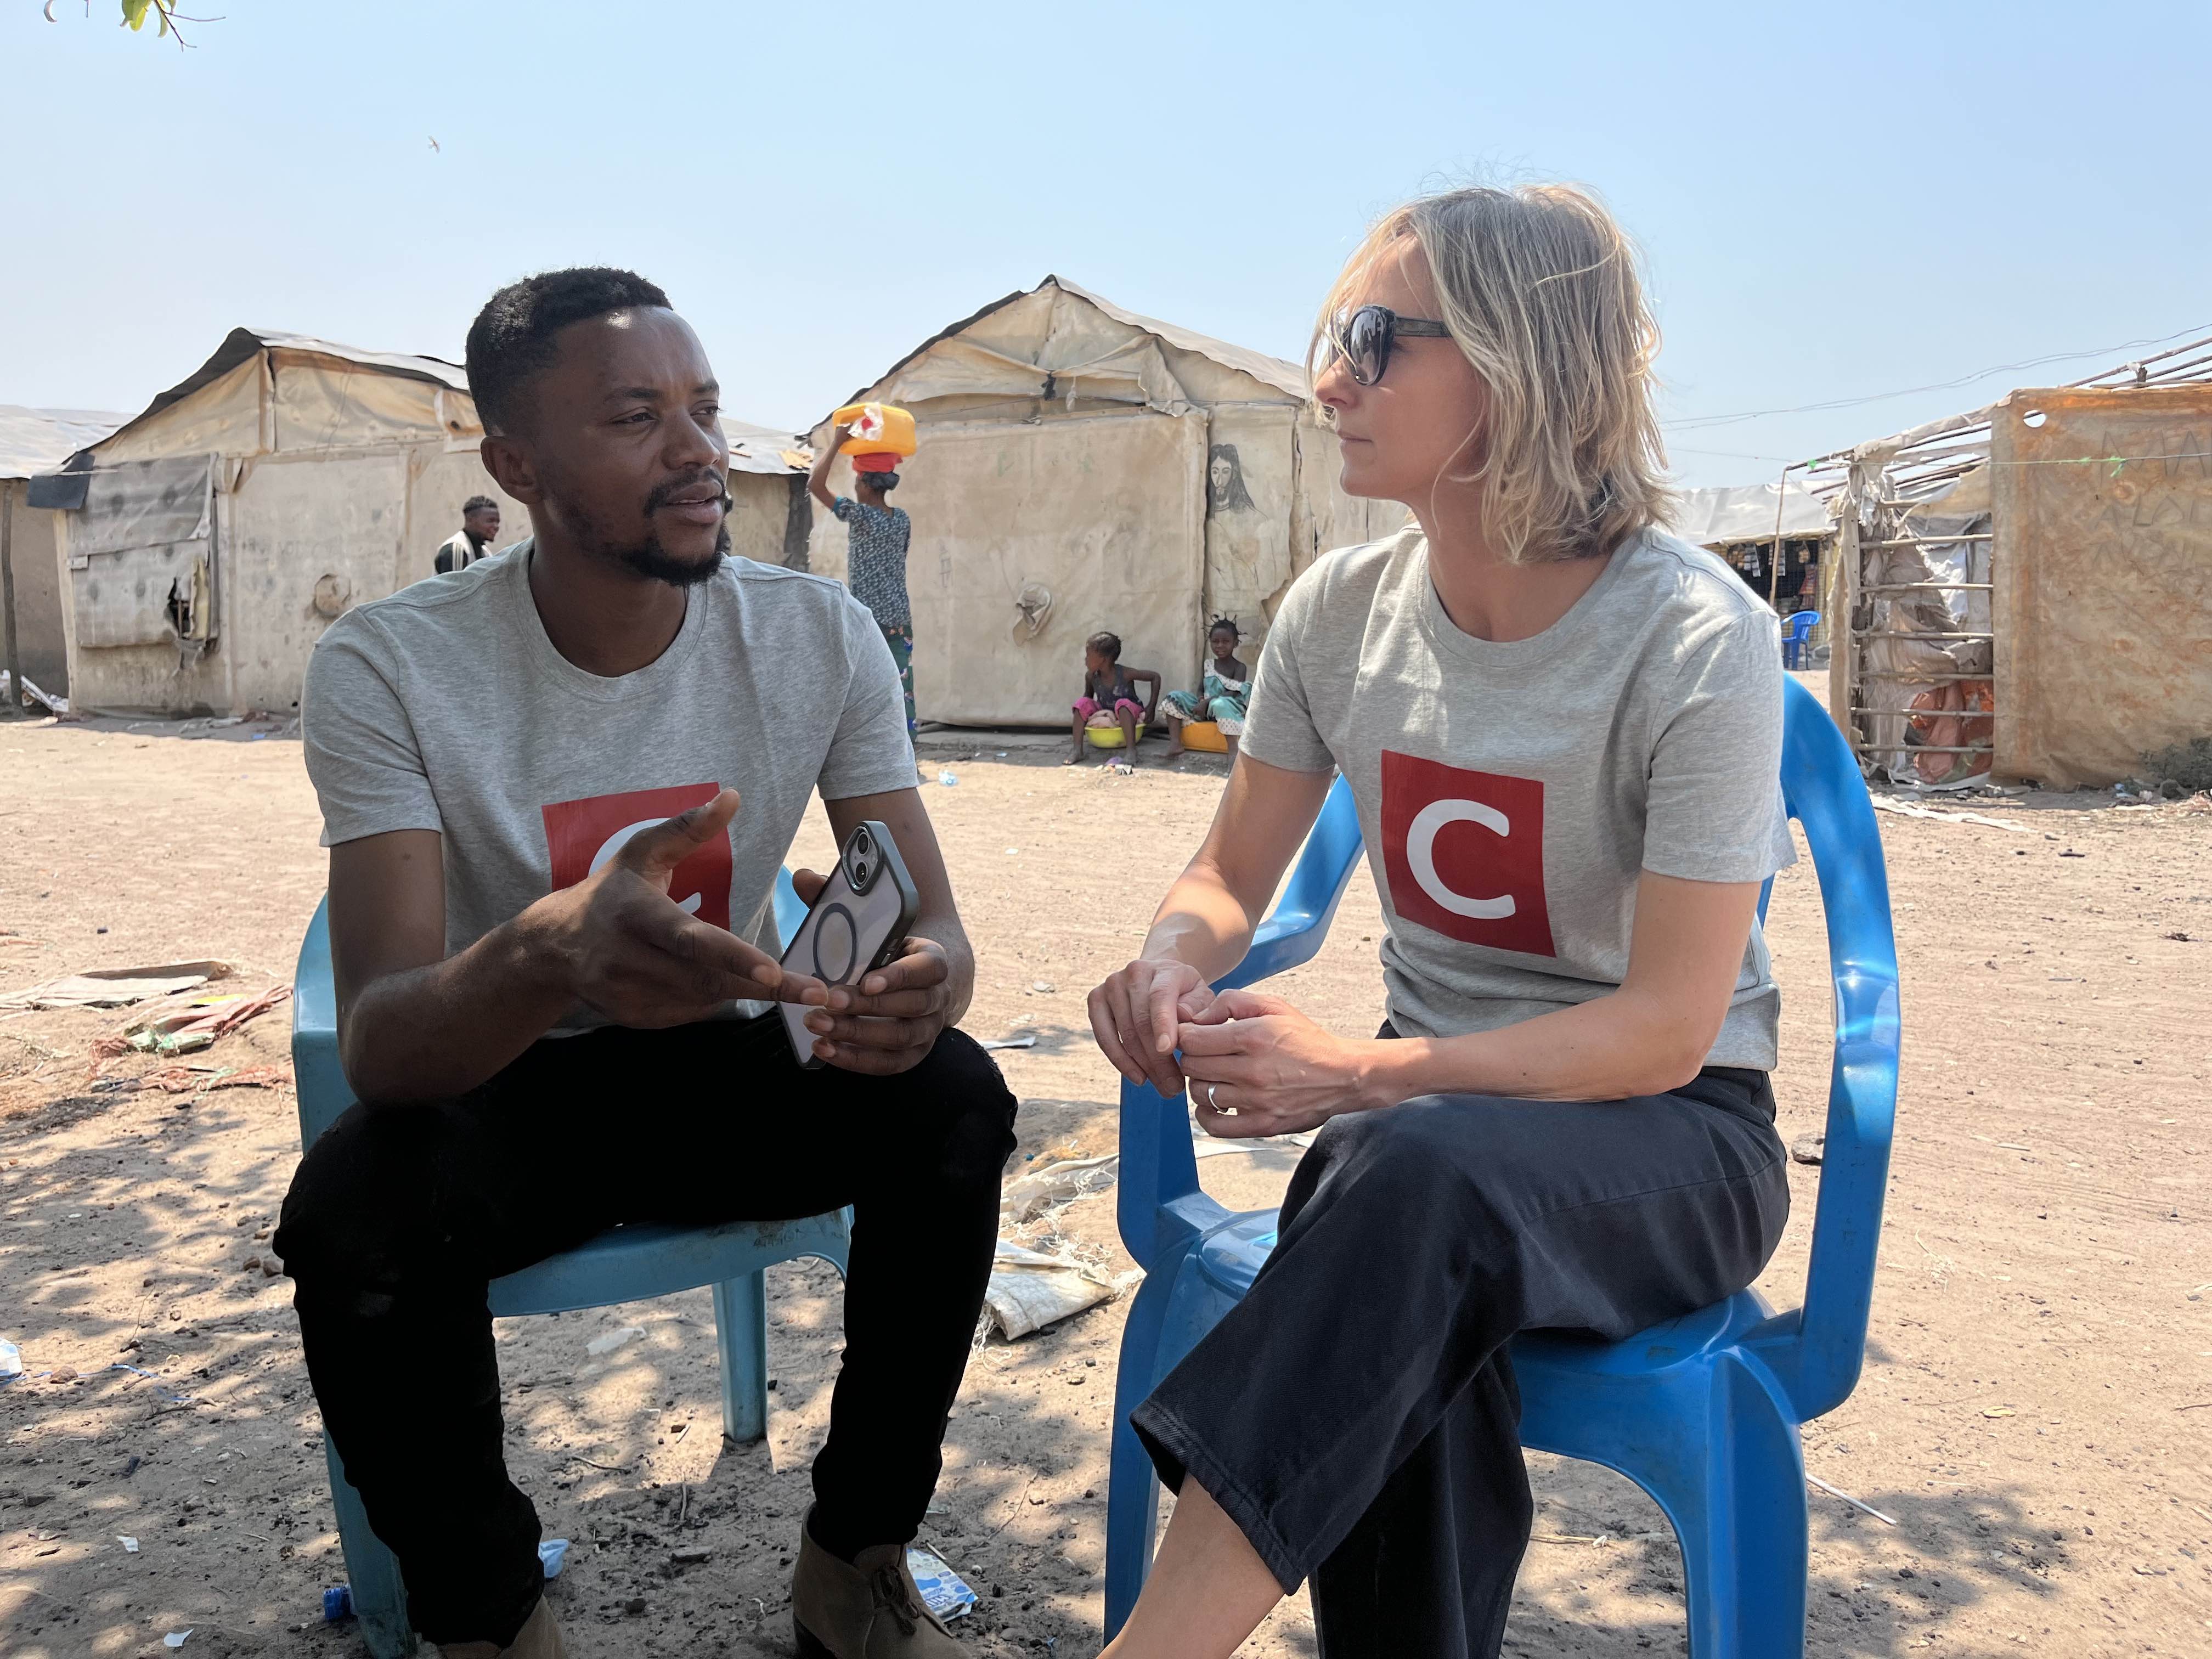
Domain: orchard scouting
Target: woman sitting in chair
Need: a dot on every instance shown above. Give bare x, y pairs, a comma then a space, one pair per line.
1563, 728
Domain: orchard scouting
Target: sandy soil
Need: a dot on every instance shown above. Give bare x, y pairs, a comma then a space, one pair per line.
2028, 1416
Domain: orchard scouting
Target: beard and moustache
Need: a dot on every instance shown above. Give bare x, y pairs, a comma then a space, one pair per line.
643, 552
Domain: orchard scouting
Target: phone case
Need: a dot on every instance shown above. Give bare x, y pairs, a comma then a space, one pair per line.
850, 931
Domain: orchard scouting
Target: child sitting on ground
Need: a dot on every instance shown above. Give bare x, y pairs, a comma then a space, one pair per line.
1221, 694
1109, 695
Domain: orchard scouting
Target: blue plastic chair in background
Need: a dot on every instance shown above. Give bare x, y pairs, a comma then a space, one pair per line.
626, 1264
1702, 1412
1800, 628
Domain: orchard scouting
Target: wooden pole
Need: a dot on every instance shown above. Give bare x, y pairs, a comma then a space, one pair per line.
1774, 564
7, 592
1843, 643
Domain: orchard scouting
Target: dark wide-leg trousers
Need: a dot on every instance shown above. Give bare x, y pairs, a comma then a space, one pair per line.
401, 1216
1357, 1415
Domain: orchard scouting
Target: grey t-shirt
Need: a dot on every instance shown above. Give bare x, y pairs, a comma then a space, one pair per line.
446, 707
1510, 793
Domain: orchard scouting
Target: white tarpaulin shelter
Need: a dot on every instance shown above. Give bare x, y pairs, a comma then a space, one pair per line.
1746, 512
206, 545
1082, 468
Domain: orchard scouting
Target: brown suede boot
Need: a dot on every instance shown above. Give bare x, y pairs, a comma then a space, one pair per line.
868, 1609
538, 1638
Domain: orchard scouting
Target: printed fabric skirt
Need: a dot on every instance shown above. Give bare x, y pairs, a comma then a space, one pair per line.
1227, 713
900, 640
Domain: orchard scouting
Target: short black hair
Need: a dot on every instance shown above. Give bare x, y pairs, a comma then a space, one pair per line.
512, 338
1220, 622
1108, 646
478, 504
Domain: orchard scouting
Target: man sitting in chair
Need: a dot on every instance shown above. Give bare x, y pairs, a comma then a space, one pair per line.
556, 794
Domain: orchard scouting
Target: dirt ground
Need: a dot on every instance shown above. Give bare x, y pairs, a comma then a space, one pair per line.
2029, 1415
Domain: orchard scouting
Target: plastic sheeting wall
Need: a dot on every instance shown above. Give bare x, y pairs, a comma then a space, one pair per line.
1101, 513
2102, 573
298, 528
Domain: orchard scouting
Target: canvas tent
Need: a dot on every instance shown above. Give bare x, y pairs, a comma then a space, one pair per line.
1082, 468
32, 441
206, 545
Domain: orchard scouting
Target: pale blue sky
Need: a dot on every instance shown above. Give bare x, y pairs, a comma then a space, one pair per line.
1833, 203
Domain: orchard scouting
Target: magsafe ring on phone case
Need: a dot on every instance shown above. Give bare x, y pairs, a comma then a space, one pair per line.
834, 935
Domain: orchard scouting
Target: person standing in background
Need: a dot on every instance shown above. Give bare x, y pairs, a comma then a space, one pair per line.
473, 540
875, 566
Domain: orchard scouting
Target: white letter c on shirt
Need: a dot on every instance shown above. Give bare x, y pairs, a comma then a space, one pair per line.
1421, 853
613, 844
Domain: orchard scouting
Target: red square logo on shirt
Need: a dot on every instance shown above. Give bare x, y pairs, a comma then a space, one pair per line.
581, 835
1464, 853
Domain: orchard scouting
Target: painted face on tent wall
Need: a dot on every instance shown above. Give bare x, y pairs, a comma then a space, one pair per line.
1406, 438
1225, 477
629, 458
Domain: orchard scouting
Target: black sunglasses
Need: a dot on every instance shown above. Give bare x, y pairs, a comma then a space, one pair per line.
1364, 339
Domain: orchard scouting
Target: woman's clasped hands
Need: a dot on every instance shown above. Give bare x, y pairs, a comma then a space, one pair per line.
1253, 1065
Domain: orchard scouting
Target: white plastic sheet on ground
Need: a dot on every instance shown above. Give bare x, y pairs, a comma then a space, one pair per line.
1031, 1288
32, 694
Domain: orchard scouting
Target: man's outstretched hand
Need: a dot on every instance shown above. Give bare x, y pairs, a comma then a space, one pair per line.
891, 1021
632, 954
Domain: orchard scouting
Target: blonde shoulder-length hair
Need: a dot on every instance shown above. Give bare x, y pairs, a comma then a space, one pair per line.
1538, 287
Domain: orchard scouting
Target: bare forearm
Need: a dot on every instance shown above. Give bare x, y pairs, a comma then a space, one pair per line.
434, 1032
818, 476
1200, 924
944, 927
1613, 1048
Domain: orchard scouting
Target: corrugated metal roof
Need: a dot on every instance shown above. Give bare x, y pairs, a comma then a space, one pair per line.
760, 448
34, 440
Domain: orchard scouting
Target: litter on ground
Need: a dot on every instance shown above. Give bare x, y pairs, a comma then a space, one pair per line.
187, 1026
944, 1591
116, 987
1030, 1290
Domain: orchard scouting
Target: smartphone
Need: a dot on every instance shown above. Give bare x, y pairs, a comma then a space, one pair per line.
853, 927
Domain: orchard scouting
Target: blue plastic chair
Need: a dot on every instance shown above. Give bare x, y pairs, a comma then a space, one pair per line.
625, 1264
1701, 1411
1800, 628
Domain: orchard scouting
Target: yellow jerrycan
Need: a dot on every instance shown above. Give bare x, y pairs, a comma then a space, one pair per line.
874, 429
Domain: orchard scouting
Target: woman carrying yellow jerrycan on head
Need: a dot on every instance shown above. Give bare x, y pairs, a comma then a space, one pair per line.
876, 438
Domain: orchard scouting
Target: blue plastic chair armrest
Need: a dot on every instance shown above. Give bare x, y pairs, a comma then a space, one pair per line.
1159, 1204
1298, 926
1826, 1339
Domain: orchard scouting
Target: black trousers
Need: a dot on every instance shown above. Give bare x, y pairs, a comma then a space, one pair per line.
401, 1216
1357, 1414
